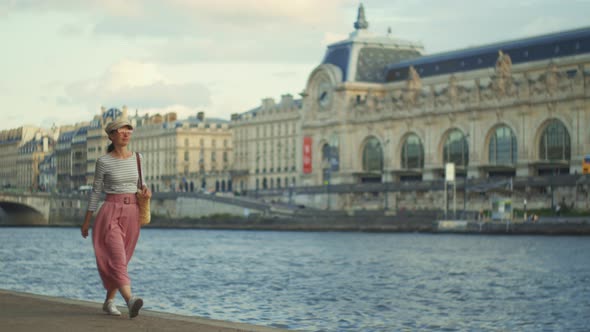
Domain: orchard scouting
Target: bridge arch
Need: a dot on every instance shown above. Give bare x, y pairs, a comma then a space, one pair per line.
19, 214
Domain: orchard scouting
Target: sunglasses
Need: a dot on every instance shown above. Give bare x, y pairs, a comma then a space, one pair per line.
123, 131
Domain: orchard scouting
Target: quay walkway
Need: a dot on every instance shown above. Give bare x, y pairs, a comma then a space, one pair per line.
23, 312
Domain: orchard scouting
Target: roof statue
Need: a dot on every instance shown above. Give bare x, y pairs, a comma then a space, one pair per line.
361, 23
503, 64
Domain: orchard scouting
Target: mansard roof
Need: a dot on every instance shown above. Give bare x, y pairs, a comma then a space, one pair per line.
95, 123
364, 56
298, 103
66, 136
112, 113
81, 131
192, 122
36, 144
543, 47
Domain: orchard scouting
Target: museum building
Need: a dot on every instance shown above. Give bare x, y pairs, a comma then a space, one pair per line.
377, 110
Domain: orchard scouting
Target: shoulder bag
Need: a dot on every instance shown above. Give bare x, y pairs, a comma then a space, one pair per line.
143, 201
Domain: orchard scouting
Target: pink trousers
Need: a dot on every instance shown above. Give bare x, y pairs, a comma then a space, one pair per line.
114, 235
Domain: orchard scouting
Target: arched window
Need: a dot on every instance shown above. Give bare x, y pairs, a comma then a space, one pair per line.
456, 149
373, 156
503, 148
555, 142
413, 152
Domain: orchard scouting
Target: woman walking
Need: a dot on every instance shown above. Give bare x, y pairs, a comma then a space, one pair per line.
116, 228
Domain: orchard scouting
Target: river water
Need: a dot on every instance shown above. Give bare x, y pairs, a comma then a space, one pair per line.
326, 281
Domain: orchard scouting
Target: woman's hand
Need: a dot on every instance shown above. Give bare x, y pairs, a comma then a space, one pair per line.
86, 225
84, 228
145, 191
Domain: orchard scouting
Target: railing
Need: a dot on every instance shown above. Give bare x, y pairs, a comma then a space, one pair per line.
435, 185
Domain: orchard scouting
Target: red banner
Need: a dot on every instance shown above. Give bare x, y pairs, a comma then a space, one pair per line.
306, 154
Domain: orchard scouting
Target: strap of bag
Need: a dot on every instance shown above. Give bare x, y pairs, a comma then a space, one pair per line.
140, 182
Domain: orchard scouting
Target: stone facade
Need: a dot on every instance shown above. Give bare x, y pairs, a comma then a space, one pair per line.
79, 157
267, 145
30, 156
476, 103
48, 173
10, 142
503, 120
184, 155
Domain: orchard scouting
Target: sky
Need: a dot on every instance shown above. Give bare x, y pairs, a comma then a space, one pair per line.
61, 60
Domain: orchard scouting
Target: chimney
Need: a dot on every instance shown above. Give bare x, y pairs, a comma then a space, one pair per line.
286, 100
201, 116
268, 103
124, 110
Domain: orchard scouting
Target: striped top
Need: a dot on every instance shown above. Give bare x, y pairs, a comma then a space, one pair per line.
114, 176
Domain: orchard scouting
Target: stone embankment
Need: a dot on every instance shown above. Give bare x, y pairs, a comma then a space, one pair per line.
409, 223
29, 312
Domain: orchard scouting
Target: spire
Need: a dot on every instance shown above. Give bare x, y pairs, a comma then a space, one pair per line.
361, 23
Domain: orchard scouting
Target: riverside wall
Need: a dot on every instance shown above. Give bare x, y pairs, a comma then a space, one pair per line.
407, 211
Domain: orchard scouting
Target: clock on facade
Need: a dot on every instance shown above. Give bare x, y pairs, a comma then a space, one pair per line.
325, 93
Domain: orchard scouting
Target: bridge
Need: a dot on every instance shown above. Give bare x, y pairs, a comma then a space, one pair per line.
31, 209
324, 202
53, 209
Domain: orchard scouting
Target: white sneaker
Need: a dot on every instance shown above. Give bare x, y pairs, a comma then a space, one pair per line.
134, 304
110, 308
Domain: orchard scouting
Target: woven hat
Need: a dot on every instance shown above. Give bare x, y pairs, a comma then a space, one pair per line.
114, 125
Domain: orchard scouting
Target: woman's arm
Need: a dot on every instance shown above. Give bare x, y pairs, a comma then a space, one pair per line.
86, 224
98, 185
94, 197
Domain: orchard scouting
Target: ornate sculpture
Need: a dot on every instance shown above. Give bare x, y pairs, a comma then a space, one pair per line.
551, 79
502, 83
413, 87
361, 23
452, 90
503, 65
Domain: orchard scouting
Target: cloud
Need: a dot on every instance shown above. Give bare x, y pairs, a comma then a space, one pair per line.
72, 30
138, 85
258, 11
158, 94
128, 8
130, 73
191, 31
262, 49
151, 18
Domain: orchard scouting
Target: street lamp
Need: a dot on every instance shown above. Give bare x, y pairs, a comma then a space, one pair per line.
385, 187
465, 196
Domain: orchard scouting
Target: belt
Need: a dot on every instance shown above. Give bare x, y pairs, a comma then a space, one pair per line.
121, 198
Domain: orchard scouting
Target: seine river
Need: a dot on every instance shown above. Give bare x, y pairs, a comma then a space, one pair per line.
326, 281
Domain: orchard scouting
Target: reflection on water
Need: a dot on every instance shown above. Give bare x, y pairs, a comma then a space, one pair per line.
326, 281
